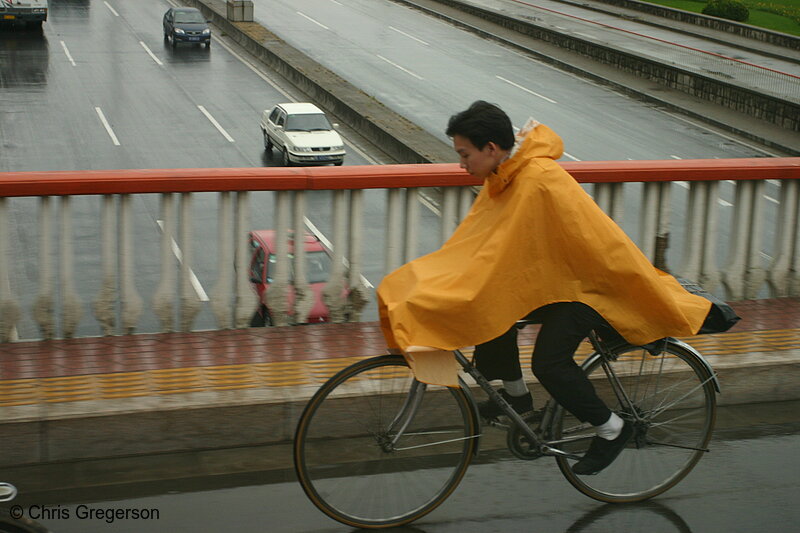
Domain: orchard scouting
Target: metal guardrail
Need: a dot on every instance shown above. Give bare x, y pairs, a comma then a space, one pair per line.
755, 229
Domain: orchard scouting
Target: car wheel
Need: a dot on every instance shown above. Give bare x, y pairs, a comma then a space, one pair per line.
339, 163
174, 41
261, 318
208, 44
267, 142
285, 159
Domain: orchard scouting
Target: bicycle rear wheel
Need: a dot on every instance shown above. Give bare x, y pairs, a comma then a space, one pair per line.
671, 401
353, 465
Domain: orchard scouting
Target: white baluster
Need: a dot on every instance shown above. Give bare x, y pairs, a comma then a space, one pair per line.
466, 197
71, 308
130, 299
663, 227
450, 198
787, 231
332, 294
648, 220
222, 294
617, 209
164, 298
693, 236
709, 273
43, 311
9, 307
303, 295
246, 302
279, 288
104, 305
412, 224
733, 276
394, 226
756, 274
602, 196
190, 300
359, 291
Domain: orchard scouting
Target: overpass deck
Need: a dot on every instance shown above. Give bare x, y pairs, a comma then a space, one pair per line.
95, 397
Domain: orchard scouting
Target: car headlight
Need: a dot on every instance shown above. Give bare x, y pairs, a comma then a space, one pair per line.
337, 148
206, 31
178, 30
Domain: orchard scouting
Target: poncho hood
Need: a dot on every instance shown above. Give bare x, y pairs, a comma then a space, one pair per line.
532, 237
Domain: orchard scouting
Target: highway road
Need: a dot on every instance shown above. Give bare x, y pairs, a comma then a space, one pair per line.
99, 89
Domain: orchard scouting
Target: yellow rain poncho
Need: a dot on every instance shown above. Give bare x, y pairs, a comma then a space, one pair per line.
532, 237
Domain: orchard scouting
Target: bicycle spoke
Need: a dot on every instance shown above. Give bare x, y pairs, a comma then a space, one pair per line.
671, 401
372, 449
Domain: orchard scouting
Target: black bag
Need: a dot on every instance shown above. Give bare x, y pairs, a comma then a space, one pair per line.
721, 317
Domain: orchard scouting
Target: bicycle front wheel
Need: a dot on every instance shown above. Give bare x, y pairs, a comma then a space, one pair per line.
669, 397
375, 448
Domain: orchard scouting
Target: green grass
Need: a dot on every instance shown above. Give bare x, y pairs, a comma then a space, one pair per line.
779, 15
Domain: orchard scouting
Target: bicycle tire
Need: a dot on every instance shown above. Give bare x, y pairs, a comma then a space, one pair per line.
344, 462
674, 398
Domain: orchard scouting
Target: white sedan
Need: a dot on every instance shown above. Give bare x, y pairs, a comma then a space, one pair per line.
303, 135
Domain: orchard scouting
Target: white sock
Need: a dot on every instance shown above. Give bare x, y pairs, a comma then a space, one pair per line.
612, 428
516, 387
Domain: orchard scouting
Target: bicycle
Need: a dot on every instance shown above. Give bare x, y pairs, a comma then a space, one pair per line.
375, 448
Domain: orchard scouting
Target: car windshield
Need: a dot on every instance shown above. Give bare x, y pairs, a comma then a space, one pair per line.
308, 122
189, 17
318, 267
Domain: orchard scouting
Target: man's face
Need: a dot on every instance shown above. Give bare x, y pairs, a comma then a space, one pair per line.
479, 163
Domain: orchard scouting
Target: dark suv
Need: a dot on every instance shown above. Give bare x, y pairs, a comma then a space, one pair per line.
186, 25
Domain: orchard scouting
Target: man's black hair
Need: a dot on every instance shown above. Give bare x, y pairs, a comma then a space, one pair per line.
482, 123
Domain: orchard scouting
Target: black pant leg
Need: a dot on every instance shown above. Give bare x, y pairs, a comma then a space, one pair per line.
499, 357
564, 326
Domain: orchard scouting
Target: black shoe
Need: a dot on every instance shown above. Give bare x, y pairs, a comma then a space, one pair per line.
521, 404
602, 452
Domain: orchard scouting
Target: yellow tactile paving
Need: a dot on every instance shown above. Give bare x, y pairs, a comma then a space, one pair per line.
171, 381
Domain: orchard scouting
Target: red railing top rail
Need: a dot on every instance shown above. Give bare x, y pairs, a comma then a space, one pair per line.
61, 183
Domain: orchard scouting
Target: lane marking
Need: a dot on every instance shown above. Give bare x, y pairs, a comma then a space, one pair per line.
215, 123
321, 25
66, 51
409, 36
328, 244
526, 89
176, 251
571, 156
151, 54
399, 67
111, 8
107, 126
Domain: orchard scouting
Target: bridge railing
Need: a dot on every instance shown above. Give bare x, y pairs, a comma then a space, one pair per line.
71, 240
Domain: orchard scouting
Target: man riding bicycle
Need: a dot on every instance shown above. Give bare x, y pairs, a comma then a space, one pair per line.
535, 245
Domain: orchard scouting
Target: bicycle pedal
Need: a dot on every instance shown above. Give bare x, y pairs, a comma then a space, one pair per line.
496, 423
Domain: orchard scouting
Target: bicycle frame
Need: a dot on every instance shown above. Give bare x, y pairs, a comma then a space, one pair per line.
413, 400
